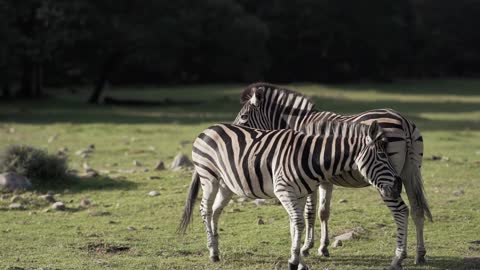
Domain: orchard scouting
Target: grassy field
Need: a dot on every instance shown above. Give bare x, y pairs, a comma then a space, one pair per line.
126, 229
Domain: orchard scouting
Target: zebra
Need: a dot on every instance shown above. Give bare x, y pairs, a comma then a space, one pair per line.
285, 164
267, 106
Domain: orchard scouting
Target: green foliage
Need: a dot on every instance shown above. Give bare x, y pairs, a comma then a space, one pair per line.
36, 164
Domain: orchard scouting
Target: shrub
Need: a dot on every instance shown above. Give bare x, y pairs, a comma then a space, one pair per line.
36, 164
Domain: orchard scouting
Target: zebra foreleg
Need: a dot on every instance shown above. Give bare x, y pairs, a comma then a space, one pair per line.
210, 189
325, 198
294, 207
223, 197
310, 215
400, 214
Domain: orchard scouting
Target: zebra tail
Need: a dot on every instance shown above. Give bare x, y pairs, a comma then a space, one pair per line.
189, 204
412, 173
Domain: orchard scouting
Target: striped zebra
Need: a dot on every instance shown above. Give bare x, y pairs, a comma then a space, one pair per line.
267, 106
285, 164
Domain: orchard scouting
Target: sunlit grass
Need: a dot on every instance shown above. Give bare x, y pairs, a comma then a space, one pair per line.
60, 240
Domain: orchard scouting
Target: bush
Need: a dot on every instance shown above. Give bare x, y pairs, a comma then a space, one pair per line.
36, 164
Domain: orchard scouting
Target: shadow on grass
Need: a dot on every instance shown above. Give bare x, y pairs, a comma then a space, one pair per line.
79, 184
433, 262
224, 108
459, 87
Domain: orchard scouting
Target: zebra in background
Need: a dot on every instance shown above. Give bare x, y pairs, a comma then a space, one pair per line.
285, 164
267, 106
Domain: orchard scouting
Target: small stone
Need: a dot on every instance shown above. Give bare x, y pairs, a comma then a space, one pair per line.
85, 166
153, 193
83, 151
160, 166
91, 173
146, 170
53, 138
259, 202
136, 163
346, 236
459, 192
14, 181
49, 198
153, 177
91, 146
16, 206
342, 201
16, 198
58, 206
85, 203
241, 200
436, 157
260, 221
234, 210
337, 243
180, 161
131, 228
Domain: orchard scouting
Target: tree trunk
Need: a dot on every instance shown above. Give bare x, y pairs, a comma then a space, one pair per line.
38, 80
108, 66
6, 93
26, 89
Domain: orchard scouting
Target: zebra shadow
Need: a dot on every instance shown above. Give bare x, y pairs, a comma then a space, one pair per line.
381, 262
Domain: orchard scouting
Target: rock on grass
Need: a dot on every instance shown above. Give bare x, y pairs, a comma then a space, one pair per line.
180, 161
58, 206
14, 181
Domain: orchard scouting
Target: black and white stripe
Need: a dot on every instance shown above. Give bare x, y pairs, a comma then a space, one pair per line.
286, 164
268, 106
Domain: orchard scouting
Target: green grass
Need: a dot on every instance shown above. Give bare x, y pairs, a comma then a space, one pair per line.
447, 112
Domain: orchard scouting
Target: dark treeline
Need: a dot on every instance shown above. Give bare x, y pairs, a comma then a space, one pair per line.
75, 42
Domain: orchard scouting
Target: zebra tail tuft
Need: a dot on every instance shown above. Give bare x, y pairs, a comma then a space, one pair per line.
189, 204
412, 173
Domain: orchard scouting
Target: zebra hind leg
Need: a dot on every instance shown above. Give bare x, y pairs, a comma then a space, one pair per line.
324, 214
310, 215
294, 207
399, 210
210, 189
223, 197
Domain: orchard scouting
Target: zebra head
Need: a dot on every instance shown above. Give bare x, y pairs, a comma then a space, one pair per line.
253, 112
374, 164
267, 106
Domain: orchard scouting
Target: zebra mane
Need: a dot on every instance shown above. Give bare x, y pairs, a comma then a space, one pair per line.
337, 128
265, 87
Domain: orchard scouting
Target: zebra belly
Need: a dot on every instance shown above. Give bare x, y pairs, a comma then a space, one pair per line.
251, 187
347, 179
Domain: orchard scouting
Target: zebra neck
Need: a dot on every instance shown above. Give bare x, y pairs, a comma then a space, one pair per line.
296, 119
334, 155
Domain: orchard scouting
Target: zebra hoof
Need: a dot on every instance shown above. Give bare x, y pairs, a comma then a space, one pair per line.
323, 253
292, 266
420, 261
214, 258
303, 267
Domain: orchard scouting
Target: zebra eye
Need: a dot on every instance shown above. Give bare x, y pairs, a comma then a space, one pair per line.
244, 117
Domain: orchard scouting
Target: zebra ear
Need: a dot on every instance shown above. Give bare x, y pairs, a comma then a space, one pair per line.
257, 95
374, 131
